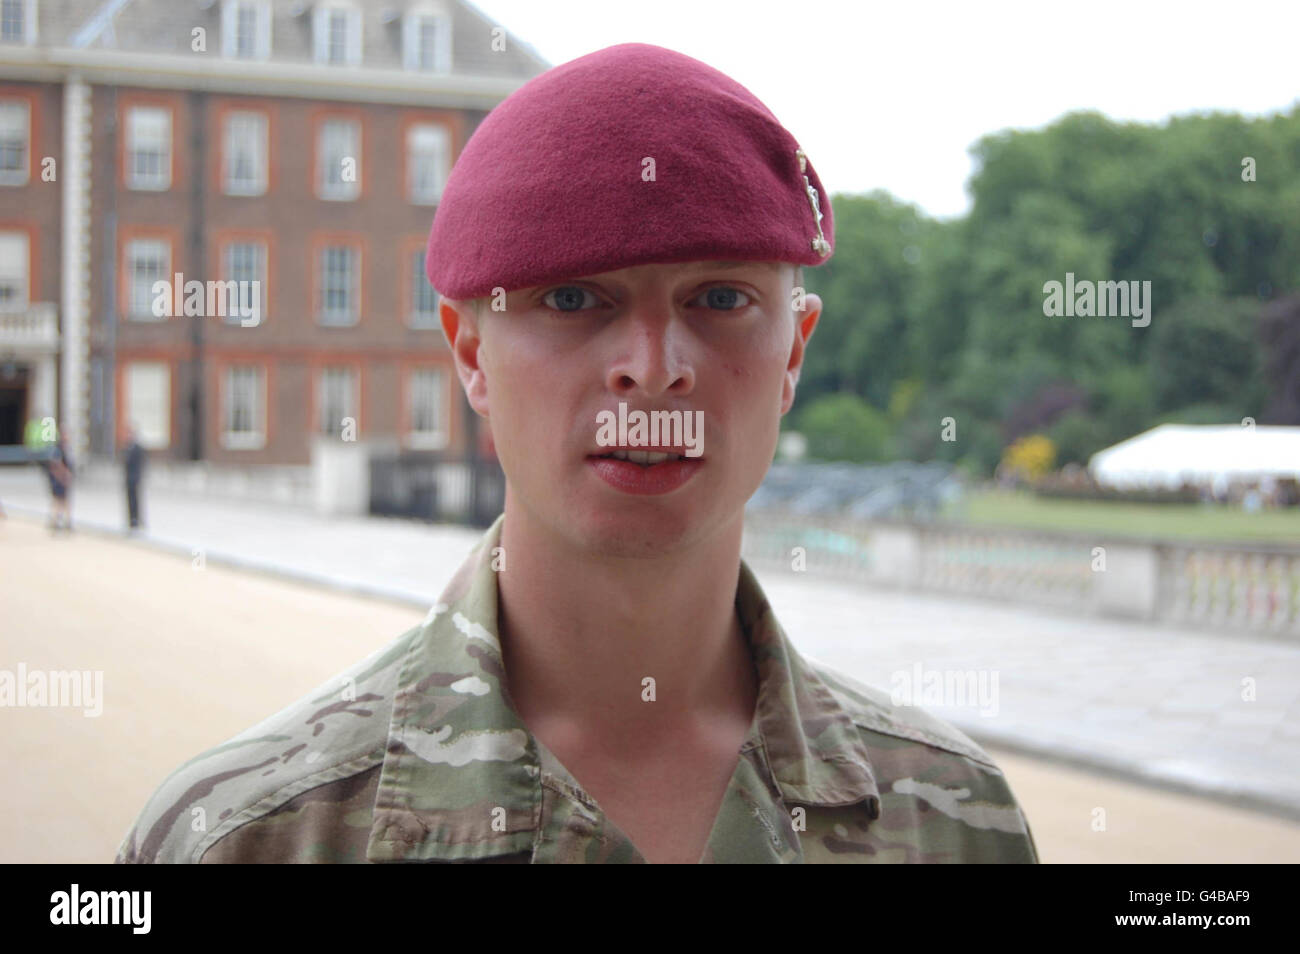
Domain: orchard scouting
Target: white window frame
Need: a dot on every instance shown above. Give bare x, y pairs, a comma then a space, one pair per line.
428, 440
133, 312
419, 282
133, 180
21, 278
243, 440
340, 191
322, 19
228, 274
332, 319
259, 124
415, 151
19, 177
412, 47
230, 10
29, 23
153, 433
351, 399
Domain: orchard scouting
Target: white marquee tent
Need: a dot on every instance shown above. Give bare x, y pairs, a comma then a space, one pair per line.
1212, 454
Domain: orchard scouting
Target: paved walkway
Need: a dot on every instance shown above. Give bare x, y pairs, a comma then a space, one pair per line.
1154, 702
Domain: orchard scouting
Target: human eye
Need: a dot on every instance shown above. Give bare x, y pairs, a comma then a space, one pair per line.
569, 298
723, 298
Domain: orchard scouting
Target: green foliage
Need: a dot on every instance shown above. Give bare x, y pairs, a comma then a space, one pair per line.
1123, 402
861, 340
927, 319
1205, 413
845, 427
1204, 350
1077, 437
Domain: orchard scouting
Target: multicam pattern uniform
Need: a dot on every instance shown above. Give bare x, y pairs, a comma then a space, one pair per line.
415, 754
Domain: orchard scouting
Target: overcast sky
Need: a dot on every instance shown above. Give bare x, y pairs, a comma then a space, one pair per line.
892, 95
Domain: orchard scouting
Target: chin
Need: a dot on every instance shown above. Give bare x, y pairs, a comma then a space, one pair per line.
639, 529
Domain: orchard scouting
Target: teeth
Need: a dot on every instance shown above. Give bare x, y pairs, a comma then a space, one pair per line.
645, 458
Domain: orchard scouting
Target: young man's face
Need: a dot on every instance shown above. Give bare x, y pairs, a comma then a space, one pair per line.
687, 338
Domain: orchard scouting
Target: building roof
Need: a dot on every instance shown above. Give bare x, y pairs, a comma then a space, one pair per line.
152, 43
1171, 454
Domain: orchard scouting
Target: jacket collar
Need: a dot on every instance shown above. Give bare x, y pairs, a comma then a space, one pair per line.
462, 777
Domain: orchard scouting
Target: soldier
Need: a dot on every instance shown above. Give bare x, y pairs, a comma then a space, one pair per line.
59, 470
603, 679
133, 459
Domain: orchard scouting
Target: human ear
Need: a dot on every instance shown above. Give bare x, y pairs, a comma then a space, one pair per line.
460, 325
804, 323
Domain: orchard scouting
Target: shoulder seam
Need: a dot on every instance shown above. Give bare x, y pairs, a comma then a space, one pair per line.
287, 792
913, 734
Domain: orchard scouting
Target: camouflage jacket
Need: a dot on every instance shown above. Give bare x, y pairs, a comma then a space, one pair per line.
415, 754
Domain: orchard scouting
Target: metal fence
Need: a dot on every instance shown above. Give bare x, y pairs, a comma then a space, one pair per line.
437, 487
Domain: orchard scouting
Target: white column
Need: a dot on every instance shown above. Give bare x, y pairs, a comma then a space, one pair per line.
1130, 583
41, 394
896, 554
74, 341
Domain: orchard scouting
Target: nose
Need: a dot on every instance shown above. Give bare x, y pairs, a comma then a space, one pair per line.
653, 359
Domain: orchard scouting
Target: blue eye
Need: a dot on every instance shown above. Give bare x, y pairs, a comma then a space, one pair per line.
722, 298
569, 298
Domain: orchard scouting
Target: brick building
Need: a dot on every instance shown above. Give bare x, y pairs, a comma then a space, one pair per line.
298, 145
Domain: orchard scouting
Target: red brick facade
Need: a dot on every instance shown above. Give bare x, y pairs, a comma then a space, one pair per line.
293, 223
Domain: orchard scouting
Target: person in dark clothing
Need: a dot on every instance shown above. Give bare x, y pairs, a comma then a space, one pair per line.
134, 458
59, 469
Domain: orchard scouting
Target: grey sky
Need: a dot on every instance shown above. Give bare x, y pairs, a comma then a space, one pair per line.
891, 95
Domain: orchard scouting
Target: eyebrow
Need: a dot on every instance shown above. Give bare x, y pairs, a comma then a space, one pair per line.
768, 265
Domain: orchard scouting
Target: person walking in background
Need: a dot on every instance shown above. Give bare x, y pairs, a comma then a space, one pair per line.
59, 469
133, 458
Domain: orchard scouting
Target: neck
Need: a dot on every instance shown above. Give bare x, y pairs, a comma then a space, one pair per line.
581, 632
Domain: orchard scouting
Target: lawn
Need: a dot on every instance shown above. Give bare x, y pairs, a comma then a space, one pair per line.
1183, 521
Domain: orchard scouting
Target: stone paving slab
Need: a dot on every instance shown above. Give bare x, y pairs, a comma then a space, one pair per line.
1152, 702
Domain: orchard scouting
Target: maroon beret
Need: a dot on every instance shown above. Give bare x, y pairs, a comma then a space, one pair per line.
627, 156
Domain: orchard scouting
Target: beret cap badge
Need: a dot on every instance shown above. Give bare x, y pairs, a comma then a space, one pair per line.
819, 243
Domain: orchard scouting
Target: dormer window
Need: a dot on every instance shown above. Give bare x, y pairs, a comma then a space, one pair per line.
18, 21
336, 29
246, 29
426, 39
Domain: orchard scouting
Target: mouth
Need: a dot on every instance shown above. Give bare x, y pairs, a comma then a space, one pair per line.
639, 470
646, 458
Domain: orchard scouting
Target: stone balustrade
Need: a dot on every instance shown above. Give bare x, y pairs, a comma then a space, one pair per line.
1253, 588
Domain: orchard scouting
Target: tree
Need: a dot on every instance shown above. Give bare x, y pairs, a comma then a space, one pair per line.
1077, 436
1205, 351
861, 343
845, 427
1280, 337
1031, 457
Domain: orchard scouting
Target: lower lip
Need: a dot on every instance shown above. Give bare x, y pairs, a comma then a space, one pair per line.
661, 478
